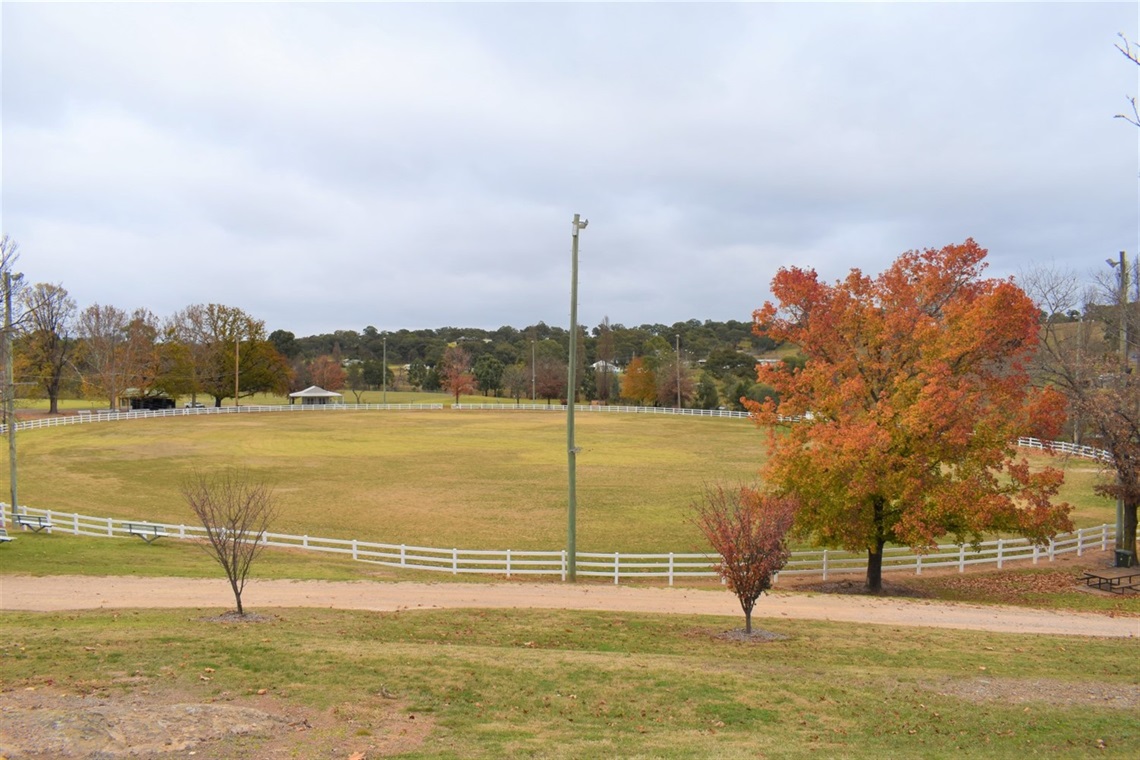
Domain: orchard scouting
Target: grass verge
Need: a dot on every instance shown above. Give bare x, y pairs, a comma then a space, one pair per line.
574, 684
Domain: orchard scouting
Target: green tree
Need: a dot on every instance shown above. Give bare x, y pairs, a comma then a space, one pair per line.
48, 341
708, 397
488, 373
417, 375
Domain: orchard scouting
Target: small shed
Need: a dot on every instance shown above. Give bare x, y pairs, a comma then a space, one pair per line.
314, 394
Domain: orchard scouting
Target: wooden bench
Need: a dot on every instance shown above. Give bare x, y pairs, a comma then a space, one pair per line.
4, 537
146, 532
35, 523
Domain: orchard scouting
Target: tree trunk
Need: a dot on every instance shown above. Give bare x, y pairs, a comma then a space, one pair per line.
748, 621
875, 550
237, 597
875, 568
1128, 542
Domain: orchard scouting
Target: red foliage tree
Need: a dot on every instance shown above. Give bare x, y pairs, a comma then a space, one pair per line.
326, 372
550, 378
913, 395
747, 529
455, 372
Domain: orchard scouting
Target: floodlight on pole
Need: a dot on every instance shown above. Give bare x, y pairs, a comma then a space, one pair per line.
10, 397
678, 336
1121, 559
571, 450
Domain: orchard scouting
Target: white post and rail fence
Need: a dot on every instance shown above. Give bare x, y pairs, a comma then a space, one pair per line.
615, 566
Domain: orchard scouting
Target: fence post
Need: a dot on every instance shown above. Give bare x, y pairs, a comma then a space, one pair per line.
1001, 543
563, 554
617, 571
825, 564
1104, 537
75, 523
670, 568
454, 561
1036, 550
1080, 541
182, 531
305, 542
1052, 548
961, 558
110, 527
508, 563
918, 564
403, 557
354, 549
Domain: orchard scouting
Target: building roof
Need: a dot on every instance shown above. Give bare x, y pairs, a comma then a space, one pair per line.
315, 391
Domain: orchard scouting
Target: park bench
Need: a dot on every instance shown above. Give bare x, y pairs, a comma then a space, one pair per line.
36, 523
146, 532
1116, 583
4, 537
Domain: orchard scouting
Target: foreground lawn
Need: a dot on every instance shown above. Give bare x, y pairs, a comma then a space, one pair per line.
573, 684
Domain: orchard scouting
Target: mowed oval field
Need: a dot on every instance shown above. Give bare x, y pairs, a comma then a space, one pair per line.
437, 478
469, 479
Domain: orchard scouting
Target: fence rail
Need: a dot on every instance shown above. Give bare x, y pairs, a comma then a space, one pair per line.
602, 409
84, 417
614, 566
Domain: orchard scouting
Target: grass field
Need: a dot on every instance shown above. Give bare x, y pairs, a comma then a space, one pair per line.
483, 683
510, 683
437, 478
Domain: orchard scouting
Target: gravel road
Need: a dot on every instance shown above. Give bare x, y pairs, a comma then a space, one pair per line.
55, 593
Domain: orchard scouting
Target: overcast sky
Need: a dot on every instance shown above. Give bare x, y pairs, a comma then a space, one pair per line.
334, 166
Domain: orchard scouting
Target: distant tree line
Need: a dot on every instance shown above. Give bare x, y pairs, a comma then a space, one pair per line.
214, 351
716, 365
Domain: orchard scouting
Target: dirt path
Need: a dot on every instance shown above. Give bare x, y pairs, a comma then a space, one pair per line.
55, 593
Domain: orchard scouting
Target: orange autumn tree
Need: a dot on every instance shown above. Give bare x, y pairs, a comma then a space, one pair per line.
639, 383
910, 403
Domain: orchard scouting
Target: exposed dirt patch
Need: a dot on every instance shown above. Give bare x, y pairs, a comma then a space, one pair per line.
756, 637
232, 616
41, 723
1036, 690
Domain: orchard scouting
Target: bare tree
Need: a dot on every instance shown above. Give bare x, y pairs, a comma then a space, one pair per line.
236, 510
747, 529
12, 283
1090, 363
606, 355
1132, 53
516, 379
